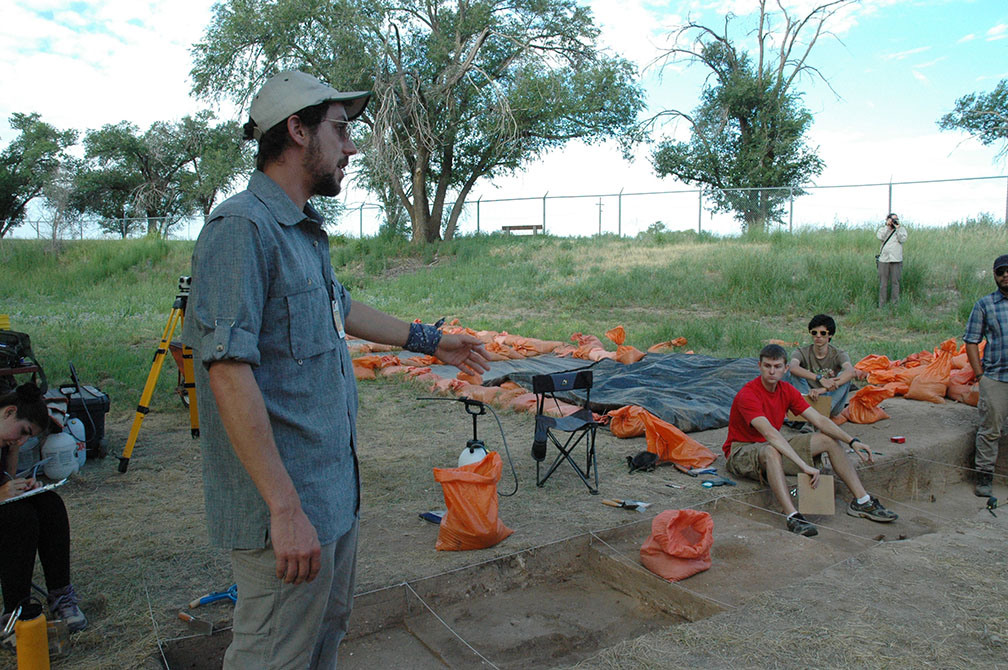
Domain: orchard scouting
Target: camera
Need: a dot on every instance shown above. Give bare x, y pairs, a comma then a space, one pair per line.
184, 284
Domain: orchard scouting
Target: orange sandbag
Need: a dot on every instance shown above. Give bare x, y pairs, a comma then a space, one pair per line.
470, 494
627, 421
671, 444
667, 345
616, 335
679, 545
626, 354
872, 363
863, 407
364, 366
932, 383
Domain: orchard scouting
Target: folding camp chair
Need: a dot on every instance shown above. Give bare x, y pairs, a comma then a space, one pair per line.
580, 425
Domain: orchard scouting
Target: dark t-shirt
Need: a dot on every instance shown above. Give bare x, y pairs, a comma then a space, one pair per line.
754, 400
829, 366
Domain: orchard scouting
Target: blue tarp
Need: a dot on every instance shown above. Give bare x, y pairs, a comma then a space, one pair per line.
691, 391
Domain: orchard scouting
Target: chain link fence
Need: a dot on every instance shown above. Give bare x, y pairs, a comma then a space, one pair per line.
626, 213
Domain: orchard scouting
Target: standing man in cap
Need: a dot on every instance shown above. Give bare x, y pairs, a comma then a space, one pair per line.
268, 320
989, 319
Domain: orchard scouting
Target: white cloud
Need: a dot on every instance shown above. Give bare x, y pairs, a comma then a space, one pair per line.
966, 38
900, 55
920, 77
998, 32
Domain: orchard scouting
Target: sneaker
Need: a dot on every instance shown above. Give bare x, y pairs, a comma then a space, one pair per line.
984, 485
802, 526
63, 605
872, 509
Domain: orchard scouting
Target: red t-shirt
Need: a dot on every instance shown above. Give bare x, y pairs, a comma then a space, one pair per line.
754, 400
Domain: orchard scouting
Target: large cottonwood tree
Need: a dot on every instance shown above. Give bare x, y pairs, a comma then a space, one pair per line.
982, 115
28, 164
463, 89
749, 131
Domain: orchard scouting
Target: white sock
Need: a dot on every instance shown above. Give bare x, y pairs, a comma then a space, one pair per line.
791, 514
862, 500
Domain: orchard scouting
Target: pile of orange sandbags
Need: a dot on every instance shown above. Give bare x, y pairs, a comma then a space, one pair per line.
927, 375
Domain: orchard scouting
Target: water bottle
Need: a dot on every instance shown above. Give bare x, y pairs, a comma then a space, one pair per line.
32, 638
76, 428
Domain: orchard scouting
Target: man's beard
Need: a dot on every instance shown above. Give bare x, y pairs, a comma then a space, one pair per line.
323, 181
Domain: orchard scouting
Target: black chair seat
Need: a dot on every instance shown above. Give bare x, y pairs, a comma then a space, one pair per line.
579, 427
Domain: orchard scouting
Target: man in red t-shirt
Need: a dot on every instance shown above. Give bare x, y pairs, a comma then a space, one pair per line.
755, 448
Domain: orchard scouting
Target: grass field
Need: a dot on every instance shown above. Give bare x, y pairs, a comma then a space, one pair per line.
103, 304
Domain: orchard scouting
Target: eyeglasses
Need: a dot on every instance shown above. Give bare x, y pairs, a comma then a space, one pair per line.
1001, 270
342, 128
820, 333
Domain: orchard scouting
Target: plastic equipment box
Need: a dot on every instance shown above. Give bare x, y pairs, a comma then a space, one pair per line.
90, 405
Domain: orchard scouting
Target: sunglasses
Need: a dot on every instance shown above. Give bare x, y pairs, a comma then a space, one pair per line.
1001, 270
821, 333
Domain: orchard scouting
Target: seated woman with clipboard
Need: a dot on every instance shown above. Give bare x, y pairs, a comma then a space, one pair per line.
32, 524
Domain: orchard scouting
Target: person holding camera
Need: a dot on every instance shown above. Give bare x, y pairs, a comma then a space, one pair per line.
890, 259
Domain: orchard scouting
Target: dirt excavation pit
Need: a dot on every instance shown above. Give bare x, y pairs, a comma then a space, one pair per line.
560, 603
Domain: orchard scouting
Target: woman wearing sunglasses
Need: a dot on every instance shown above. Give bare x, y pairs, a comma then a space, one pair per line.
35, 524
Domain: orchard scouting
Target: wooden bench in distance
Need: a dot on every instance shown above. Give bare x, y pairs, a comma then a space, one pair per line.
534, 227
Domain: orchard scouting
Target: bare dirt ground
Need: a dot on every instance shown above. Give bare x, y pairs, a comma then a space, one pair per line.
935, 599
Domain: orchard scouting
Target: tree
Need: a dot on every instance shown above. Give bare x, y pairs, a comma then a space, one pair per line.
107, 193
463, 89
218, 157
982, 115
749, 130
155, 162
27, 165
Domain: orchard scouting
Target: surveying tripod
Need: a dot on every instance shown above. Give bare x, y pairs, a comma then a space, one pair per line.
176, 317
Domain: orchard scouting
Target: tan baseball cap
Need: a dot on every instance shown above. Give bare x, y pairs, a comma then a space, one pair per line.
289, 92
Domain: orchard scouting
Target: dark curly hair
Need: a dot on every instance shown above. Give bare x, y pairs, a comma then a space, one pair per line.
27, 398
823, 320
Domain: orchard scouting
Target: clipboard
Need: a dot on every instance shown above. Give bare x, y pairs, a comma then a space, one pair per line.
818, 500
41, 489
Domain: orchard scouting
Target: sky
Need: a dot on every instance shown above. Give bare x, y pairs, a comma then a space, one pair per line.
893, 68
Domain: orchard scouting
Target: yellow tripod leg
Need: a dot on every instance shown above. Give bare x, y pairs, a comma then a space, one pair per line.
148, 391
189, 382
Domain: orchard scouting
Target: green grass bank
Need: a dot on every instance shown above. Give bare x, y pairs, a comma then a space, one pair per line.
103, 304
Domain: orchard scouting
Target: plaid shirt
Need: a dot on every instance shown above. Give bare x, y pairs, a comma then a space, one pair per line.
989, 319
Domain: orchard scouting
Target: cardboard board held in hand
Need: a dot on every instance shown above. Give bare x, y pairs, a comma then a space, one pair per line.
820, 404
818, 500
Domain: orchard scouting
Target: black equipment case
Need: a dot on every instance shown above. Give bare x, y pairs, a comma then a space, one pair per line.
90, 405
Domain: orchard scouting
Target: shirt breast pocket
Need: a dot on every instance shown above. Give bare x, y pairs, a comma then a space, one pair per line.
311, 325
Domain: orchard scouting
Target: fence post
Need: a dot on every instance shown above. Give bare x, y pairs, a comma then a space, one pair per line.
360, 220
619, 214
890, 197
790, 223
1006, 202
478, 213
699, 212
544, 211
600, 216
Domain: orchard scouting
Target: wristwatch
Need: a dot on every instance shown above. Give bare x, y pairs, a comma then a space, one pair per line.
818, 377
852, 441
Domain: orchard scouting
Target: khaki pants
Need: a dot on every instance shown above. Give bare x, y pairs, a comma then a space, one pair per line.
889, 275
744, 460
281, 626
993, 406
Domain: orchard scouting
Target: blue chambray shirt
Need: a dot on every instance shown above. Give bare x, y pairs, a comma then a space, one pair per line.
262, 291
989, 319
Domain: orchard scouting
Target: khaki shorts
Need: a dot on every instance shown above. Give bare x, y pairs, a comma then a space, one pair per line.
745, 457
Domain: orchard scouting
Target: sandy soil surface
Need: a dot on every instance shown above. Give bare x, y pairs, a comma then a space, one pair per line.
933, 600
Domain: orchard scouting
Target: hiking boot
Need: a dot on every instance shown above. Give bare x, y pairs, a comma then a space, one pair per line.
63, 605
872, 509
984, 485
802, 526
